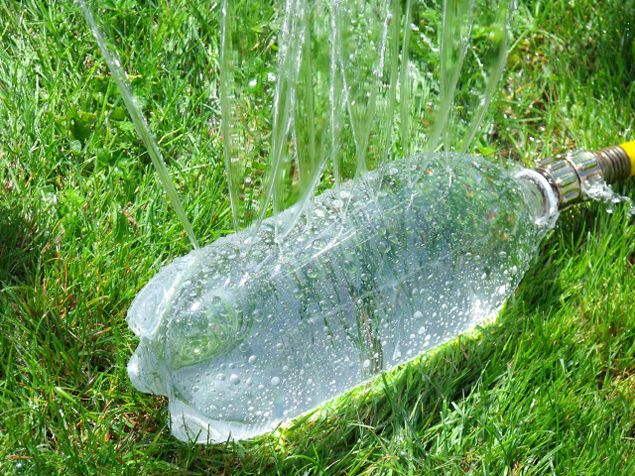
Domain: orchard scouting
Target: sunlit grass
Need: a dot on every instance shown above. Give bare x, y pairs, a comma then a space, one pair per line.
549, 388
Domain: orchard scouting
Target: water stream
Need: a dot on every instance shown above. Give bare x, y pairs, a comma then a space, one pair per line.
355, 84
123, 85
317, 92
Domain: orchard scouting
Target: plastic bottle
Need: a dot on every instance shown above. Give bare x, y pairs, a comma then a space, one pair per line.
244, 336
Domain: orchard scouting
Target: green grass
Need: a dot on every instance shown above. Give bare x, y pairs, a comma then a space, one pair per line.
549, 388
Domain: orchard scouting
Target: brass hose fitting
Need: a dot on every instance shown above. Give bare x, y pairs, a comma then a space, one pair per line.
573, 174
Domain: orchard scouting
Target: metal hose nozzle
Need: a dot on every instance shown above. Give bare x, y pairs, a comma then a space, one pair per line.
574, 173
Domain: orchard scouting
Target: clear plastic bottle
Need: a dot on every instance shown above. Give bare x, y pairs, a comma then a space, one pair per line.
244, 336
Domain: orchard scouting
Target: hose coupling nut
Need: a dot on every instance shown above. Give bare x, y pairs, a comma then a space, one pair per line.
571, 175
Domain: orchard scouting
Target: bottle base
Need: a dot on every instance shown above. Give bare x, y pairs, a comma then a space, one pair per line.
190, 426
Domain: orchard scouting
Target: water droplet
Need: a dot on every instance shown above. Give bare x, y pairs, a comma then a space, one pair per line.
418, 315
252, 359
319, 211
234, 379
366, 364
221, 377
257, 315
275, 381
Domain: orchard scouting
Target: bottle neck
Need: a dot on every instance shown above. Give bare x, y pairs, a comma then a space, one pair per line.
540, 197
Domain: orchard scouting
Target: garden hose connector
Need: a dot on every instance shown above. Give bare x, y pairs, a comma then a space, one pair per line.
576, 172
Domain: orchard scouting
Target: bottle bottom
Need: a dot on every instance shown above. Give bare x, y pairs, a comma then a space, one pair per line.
188, 425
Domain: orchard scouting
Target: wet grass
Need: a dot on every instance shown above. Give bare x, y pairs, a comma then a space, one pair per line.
549, 388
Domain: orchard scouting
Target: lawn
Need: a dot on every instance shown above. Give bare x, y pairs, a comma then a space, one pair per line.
548, 388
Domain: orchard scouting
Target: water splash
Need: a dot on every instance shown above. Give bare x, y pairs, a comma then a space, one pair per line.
600, 191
